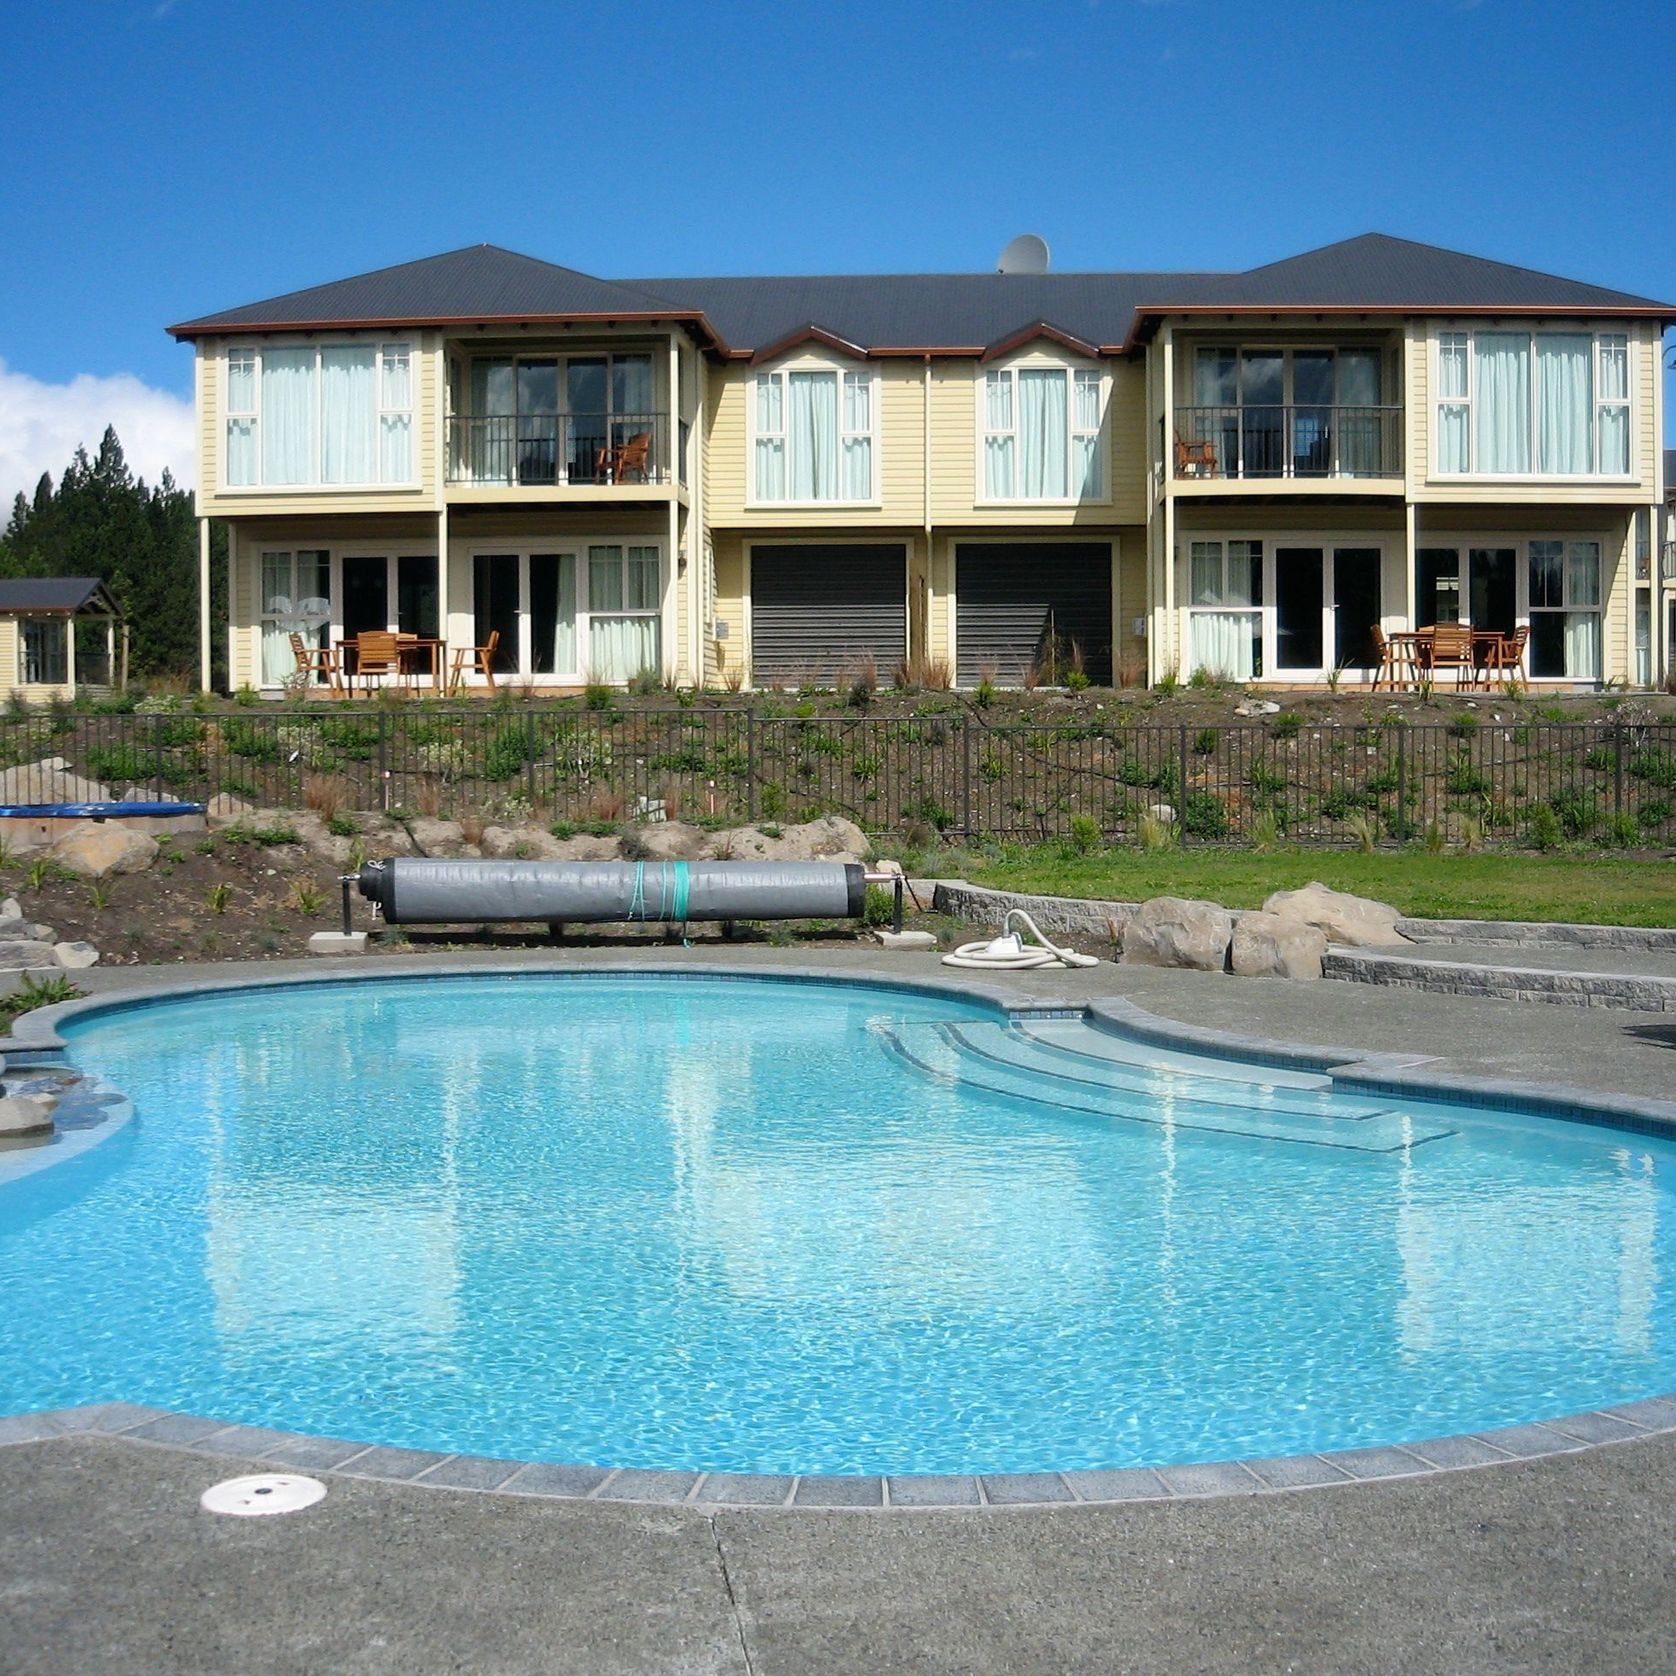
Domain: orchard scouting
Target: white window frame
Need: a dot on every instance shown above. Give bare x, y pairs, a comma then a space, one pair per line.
580, 549
316, 484
1463, 542
1223, 607
1330, 542
37, 626
332, 627
1568, 607
1468, 334
1074, 370
840, 371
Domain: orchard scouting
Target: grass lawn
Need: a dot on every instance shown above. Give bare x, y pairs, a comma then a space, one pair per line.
1602, 890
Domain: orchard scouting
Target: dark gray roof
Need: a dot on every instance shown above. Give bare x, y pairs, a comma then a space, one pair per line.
47, 593
886, 312
1378, 271
924, 311
481, 282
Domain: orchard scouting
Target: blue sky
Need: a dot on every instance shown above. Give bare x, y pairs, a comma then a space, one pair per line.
167, 157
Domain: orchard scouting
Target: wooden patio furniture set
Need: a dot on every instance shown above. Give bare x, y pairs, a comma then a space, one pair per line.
1475, 657
381, 658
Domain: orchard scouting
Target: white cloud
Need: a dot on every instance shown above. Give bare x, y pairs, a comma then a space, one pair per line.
42, 425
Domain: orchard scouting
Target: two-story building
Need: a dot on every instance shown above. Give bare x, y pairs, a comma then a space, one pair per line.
773, 480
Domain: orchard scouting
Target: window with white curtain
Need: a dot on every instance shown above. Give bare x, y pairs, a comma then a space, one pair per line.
43, 645
624, 626
1517, 403
815, 435
296, 593
1041, 433
1225, 617
332, 414
1565, 609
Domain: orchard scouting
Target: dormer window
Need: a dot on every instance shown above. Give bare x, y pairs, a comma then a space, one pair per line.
1041, 433
814, 431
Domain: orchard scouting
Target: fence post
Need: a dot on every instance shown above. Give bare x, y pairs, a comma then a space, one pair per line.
529, 755
1399, 824
1617, 768
156, 751
384, 758
966, 775
750, 766
1181, 782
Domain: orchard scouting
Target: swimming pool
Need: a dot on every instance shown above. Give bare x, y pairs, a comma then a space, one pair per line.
765, 1226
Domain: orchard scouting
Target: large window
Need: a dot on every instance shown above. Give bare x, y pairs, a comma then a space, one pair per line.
1565, 609
296, 599
547, 419
1272, 412
592, 612
1548, 404
43, 651
334, 414
1041, 433
1225, 588
814, 434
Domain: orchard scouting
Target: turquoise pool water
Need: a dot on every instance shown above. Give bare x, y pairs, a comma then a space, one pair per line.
817, 1228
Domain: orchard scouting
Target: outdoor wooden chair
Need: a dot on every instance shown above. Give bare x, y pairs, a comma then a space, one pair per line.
1195, 459
615, 462
1393, 660
481, 658
313, 661
378, 655
1451, 649
1506, 661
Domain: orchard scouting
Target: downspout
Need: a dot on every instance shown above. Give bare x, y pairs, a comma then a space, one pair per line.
924, 650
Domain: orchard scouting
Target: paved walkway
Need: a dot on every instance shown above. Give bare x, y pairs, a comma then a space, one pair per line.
1565, 1564
106, 1565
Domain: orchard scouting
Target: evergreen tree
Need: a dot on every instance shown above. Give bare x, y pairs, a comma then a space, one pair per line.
141, 542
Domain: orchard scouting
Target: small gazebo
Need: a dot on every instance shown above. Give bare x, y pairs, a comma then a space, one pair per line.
59, 636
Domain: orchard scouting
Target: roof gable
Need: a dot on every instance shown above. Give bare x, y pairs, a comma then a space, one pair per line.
481, 282
51, 593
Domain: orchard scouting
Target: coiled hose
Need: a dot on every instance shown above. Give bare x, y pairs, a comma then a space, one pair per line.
1009, 952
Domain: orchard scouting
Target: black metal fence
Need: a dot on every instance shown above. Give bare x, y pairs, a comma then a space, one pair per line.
954, 773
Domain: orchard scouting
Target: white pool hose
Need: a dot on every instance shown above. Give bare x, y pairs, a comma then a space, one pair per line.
1010, 952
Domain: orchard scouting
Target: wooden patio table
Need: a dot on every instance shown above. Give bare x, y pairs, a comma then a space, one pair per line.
410, 645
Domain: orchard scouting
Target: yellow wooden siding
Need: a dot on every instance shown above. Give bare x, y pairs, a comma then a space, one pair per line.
217, 502
732, 607
1644, 344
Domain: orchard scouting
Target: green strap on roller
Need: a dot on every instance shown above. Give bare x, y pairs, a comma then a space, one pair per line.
674, 892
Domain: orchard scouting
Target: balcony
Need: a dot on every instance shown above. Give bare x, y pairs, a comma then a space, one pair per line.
1667, 562
555, 451
1270, 443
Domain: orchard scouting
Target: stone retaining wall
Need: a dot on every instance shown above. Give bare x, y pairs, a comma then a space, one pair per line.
1507, 983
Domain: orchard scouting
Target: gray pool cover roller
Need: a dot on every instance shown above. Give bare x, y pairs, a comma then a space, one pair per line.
413, 890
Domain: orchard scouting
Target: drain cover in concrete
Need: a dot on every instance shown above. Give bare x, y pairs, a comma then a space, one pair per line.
263, 1492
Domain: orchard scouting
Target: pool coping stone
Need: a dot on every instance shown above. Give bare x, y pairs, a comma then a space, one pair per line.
36, 1040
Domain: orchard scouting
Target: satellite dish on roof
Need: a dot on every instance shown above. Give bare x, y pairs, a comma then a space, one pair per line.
1027, 254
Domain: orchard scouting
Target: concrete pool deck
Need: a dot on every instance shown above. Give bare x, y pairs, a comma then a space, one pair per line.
105, 1562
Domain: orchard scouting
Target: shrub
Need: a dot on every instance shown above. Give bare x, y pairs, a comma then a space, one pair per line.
507, 751
879, 907
1204, 815
983, 695
1543, 828
1462, 725
1462, 778
1204, 742
1156, 833
114, 763
1654, 812
1085, 834
1078, 681
1577, 810
1287, 725
1656, 766
247, 739
597, 696
1623, 831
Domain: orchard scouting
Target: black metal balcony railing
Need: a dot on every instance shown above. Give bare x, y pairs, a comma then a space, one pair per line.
1667, 562
1250, 441
551, 450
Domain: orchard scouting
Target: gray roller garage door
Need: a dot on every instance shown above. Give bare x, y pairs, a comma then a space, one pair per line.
1016, 601
815, 610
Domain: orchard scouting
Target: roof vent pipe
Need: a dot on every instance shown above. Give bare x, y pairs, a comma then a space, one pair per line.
1027, 254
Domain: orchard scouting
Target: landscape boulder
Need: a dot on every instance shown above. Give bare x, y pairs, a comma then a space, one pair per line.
436, 837
26, 1116
1353, 921
96, 848
831, 838
669, 841
1271, 946
11, 908
582, 846
226, 810
75, 957
26, 955
1174, 931
51, 780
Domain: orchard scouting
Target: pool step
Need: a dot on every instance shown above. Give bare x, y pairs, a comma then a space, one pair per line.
996, 1059
1073, 1037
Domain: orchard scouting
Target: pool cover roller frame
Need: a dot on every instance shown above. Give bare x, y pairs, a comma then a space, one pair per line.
411, 890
